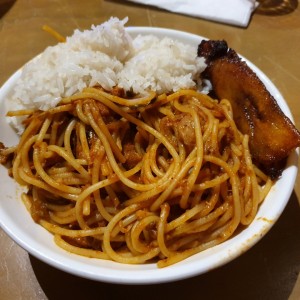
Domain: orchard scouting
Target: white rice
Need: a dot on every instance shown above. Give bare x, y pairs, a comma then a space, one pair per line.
105, 55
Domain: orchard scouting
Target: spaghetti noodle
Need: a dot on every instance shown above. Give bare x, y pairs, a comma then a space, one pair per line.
157, 178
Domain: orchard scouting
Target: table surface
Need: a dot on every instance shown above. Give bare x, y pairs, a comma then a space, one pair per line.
270, 270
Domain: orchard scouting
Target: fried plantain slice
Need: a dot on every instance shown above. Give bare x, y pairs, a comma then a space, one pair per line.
272, 135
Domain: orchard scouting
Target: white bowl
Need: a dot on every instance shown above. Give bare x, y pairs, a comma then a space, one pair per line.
17, 222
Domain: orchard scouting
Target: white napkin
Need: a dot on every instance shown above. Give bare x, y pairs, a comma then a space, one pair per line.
234, 12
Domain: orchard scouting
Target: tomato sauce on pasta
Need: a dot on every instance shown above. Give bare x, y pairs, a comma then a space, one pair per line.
136, 180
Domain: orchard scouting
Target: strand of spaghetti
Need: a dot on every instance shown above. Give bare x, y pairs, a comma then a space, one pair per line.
42, 149
213, 241
70, 178
60, 109
218, 228
208, 122
18, 113
149, 164
97, 186
144, 196
141, 135
56, 229
204, 99
210, 183
126, 102
245, 197
152, 160
187, 215
67, 137
54, 33
146, 172
79, 211
79, 111
129, 244
235, 193
225, 104
197, 197
136, 231
54, 130
181, 243
163, 162
186, 253
44, 128
95, 178
38, 183
178, 245
255, 191
214, 136
57, 170
77, 250
120, 133
159, 101
236, 161
128, 192
30, 130
194, 225
27, 200
16, 167
62, 214
149, 119
161, 230
83, 141
265, 190
43, 114
182, 152
236, 149
63, 220
23, 154
106, 169
125, 225
260, 174
61, 210
119, 257
48, 179
211, 202
64, 154
81, 161
112, 191
166, 111
86, 207
60, 139
8, 150
220, 232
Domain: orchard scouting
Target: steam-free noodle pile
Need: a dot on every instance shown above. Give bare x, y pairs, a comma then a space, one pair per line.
158, 178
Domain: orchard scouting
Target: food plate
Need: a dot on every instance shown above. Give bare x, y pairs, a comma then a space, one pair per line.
17, 222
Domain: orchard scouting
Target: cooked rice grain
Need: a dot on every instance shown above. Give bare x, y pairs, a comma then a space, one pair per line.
105, 55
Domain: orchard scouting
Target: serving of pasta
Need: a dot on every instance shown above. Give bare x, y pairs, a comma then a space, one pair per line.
137, 180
